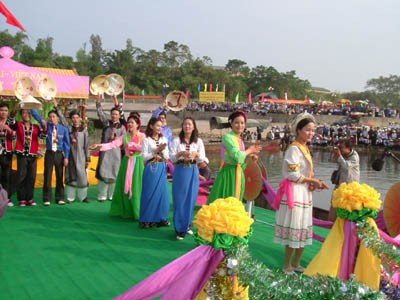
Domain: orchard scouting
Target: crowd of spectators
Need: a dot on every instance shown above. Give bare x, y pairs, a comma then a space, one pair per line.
359, 135
330, 135
264, 108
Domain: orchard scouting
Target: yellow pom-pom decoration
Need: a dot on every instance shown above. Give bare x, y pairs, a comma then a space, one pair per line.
223, 216
355, 196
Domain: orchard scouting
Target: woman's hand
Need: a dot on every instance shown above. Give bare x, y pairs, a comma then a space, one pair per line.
194, 155
253, 149
182, 154
161, 147
94, 146
157, 157
320, 185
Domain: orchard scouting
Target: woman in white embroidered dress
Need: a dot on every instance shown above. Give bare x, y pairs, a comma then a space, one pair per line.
293, 227
186, 151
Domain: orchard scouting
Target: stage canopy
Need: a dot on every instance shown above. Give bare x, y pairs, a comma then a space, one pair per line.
69, 84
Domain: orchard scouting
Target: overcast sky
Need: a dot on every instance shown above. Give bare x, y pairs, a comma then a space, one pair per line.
337, 45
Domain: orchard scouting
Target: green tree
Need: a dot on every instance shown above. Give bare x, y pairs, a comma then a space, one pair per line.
386, 88
44, 53
17, 42
83, 62
63, 61
96, 55
123, 62
237, 67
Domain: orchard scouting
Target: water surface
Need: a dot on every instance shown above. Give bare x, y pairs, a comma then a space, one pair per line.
324, 165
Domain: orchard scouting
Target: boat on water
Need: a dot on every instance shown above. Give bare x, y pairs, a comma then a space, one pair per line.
222, 122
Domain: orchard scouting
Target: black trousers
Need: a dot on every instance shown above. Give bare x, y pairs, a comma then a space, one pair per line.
5, 172
26, 170
56, 160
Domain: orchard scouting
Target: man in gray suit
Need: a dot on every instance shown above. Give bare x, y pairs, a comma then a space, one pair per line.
349, 167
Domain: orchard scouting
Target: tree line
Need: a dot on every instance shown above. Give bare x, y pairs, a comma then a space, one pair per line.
148, 71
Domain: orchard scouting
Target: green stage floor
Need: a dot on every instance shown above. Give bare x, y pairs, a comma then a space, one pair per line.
77, 251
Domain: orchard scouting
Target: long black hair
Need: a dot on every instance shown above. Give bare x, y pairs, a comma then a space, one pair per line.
303, 123
136, 119
149, 130
235, 114
195, 134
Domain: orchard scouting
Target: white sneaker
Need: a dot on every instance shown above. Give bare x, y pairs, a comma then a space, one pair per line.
180, 238
61, 202
10, 203
47, 203
189, 232
70, 200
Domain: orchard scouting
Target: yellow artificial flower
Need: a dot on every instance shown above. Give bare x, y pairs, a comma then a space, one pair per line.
356, 196
223, 216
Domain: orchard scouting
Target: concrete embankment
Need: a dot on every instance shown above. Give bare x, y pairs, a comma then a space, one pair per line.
145, 107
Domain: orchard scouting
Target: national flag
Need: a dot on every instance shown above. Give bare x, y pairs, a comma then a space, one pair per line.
216, 88
11, 19
262, 97
237, 98
285, 95
199, 88
187, 95
205, 87
250, 98
143, 92
210, 87
163, 94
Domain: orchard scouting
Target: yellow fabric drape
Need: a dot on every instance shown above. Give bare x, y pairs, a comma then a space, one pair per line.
238, 180
40, 171
307, 154
328, 260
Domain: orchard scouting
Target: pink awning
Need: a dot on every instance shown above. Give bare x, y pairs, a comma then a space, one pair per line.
73, 87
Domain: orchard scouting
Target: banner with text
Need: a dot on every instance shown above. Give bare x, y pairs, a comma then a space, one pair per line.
212, 96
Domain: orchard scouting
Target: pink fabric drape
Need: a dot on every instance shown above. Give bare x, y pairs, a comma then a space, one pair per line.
129, 175
268, 191
285, 187
181, 279
349, 250
130, 149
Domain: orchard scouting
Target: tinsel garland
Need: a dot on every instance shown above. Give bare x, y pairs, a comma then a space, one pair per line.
274, 284
389, 254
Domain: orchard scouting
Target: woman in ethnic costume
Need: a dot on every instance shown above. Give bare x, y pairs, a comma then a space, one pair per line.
154, 205
128, 188
76, 177
230, 180
293, 227
186, 151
